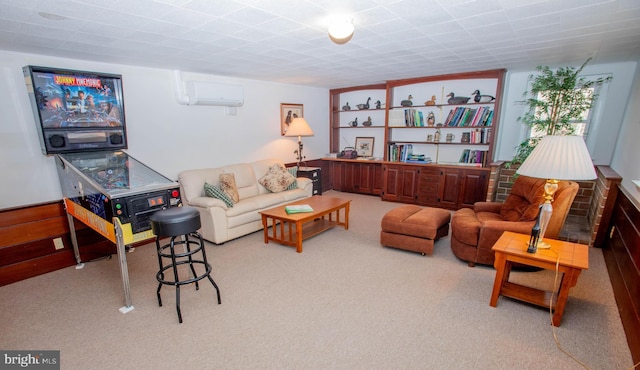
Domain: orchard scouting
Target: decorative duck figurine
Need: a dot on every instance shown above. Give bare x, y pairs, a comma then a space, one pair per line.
368, 122
365, 105
346, 107
453, 99
378, 104
482, 98
432, 101
408, 102
354, 123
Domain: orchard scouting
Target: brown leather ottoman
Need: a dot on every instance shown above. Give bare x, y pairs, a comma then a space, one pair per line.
414, 228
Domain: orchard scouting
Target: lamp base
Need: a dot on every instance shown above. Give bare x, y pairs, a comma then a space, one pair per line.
543, 245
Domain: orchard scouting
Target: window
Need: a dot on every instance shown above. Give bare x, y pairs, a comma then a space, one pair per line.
581, 125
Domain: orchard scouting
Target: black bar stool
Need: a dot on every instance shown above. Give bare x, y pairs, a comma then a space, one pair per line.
180, 222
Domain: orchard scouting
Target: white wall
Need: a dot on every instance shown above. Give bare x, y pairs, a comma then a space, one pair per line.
170, 137
603, 135
626, 161
163, 134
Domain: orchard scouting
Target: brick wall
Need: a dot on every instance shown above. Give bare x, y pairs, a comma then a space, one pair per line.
593, 202
581, 204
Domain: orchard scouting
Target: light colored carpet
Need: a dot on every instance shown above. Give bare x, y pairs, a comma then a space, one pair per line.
344, 303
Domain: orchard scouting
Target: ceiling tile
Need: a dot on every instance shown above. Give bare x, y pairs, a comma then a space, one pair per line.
286, 40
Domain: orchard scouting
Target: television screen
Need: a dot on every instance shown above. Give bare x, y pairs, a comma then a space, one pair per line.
77, 110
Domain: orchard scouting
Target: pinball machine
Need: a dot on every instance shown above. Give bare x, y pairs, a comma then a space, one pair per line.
80, 120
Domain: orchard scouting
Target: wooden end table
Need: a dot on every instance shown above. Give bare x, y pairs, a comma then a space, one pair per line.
512, 248
295, 227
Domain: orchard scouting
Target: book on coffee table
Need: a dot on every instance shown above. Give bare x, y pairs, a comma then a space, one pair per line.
298, 208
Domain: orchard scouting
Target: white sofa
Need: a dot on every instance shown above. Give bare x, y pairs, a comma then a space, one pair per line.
221, 223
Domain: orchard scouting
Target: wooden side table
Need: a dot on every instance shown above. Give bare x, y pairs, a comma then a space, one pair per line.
512, 248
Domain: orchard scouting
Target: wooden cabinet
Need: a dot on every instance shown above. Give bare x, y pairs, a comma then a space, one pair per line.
357, 177
474, 187
400, 183
462, 187
450, 187
434, 186
428, 192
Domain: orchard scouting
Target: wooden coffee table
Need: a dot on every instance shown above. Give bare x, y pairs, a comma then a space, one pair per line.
512, 248
292, 229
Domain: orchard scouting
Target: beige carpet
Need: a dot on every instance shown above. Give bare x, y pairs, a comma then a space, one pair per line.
344, 303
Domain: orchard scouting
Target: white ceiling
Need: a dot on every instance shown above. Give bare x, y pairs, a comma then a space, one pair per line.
286, 40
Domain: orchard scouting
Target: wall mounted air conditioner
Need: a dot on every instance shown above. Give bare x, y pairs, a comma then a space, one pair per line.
211, 93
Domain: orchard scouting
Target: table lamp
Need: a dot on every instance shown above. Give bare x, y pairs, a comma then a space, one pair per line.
556, 157
299, 127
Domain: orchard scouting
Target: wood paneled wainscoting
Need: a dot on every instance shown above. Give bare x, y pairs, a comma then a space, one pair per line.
28, 243
622, 254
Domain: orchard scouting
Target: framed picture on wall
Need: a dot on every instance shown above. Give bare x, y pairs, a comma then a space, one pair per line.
364, 146
288, 112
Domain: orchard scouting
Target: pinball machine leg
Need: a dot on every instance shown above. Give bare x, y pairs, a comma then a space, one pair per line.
124, 270
74, 242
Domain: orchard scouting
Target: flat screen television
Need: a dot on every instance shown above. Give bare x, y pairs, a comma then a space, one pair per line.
76, 111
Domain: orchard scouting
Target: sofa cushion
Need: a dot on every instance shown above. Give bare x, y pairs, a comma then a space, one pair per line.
215, 192
228, 185
246, 179
277, 179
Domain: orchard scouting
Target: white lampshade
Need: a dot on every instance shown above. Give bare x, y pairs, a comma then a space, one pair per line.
299, 127
559, 157
341, 29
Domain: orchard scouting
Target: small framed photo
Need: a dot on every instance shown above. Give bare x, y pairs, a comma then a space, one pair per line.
288, 112
364, 146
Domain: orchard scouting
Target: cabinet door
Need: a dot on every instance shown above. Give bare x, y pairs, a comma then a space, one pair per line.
400, 183
409, 184
428, 190
377, 178
391, 182
473, 188
337, 178
351, 177
364, 174
449, 188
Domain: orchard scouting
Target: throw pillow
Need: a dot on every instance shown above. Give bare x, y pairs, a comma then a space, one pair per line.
215, 192
277, 179
228, 185
294, 172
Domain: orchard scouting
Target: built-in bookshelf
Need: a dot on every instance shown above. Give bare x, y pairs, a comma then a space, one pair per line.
349, 121
432, 152
437, 129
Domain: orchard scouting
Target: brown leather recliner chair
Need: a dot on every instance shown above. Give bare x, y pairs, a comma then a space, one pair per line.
475, 231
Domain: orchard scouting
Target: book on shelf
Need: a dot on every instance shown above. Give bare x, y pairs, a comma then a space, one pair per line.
396, 118
298, 208
464, 117
449, 117
413, 118
400, 152
418, 158
473, 156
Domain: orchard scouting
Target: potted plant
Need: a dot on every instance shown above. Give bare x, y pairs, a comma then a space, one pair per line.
555, 100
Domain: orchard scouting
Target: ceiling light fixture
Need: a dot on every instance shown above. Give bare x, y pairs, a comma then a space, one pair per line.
341, 29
